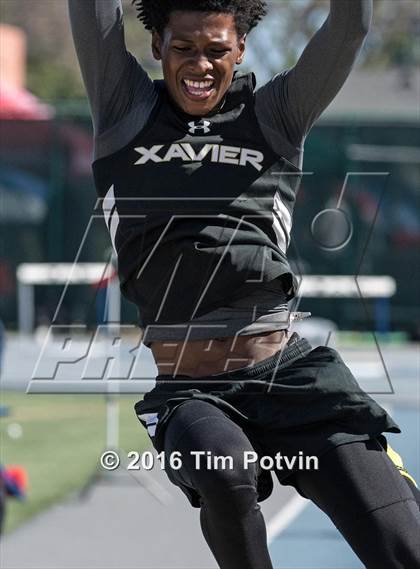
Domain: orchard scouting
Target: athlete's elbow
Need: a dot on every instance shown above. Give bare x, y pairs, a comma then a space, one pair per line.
357, 36
361, 31
356, 40
363, 22
354, 17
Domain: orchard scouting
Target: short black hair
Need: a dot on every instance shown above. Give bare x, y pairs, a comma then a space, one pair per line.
154, 14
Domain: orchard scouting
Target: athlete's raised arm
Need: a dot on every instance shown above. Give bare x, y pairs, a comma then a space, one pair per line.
115, 82
294, 99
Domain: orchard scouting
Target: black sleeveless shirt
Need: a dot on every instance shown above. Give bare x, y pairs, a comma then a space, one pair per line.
199, 210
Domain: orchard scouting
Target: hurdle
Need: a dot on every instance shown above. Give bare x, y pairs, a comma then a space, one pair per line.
381, 288
29, 275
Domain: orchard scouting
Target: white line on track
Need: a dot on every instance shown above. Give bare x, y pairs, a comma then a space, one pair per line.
285, 516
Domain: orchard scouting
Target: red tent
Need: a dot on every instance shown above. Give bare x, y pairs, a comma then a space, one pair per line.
21, 104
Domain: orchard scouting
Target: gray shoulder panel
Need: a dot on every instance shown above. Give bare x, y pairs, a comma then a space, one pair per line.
120, 92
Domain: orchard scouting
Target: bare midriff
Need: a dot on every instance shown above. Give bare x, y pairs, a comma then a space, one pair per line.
199, 358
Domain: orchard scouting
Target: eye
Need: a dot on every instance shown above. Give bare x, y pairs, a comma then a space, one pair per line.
220, 52
181, 49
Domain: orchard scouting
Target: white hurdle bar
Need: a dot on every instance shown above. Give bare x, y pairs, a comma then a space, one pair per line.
30, 275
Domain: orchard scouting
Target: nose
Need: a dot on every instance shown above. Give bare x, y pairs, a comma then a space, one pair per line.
202, 64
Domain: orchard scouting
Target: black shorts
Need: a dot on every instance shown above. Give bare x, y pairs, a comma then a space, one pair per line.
300, 400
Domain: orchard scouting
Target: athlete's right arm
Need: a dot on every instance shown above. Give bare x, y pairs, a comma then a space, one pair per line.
115, 82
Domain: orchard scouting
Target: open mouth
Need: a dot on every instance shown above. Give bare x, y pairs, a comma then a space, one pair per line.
198, 90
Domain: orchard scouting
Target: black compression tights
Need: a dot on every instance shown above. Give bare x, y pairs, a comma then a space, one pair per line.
356, 485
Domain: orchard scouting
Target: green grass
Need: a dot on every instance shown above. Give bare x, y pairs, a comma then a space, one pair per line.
62, 439
348, 338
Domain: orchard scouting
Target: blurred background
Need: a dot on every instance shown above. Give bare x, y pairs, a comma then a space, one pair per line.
46, 186
47, 199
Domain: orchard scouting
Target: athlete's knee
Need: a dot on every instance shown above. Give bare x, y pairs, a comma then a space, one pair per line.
230, 490
212, 450
230, 501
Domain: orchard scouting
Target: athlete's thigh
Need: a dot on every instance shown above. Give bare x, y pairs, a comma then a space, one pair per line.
200, 427
357, 476
359, 488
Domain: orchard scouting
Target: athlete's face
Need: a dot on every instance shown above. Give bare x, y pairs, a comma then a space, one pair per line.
199, 52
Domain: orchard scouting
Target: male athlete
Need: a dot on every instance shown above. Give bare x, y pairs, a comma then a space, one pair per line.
198, 175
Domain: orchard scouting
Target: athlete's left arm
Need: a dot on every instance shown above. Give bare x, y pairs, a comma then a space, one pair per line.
293, 100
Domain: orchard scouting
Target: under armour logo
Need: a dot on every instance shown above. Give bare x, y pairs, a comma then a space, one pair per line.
201, 126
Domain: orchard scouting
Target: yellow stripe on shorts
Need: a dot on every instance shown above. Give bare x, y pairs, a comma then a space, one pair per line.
397, 460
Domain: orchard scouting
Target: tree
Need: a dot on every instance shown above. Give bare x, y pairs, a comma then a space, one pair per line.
394, 40
53, 71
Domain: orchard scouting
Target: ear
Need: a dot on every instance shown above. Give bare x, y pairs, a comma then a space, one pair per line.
156, 45
241, 52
